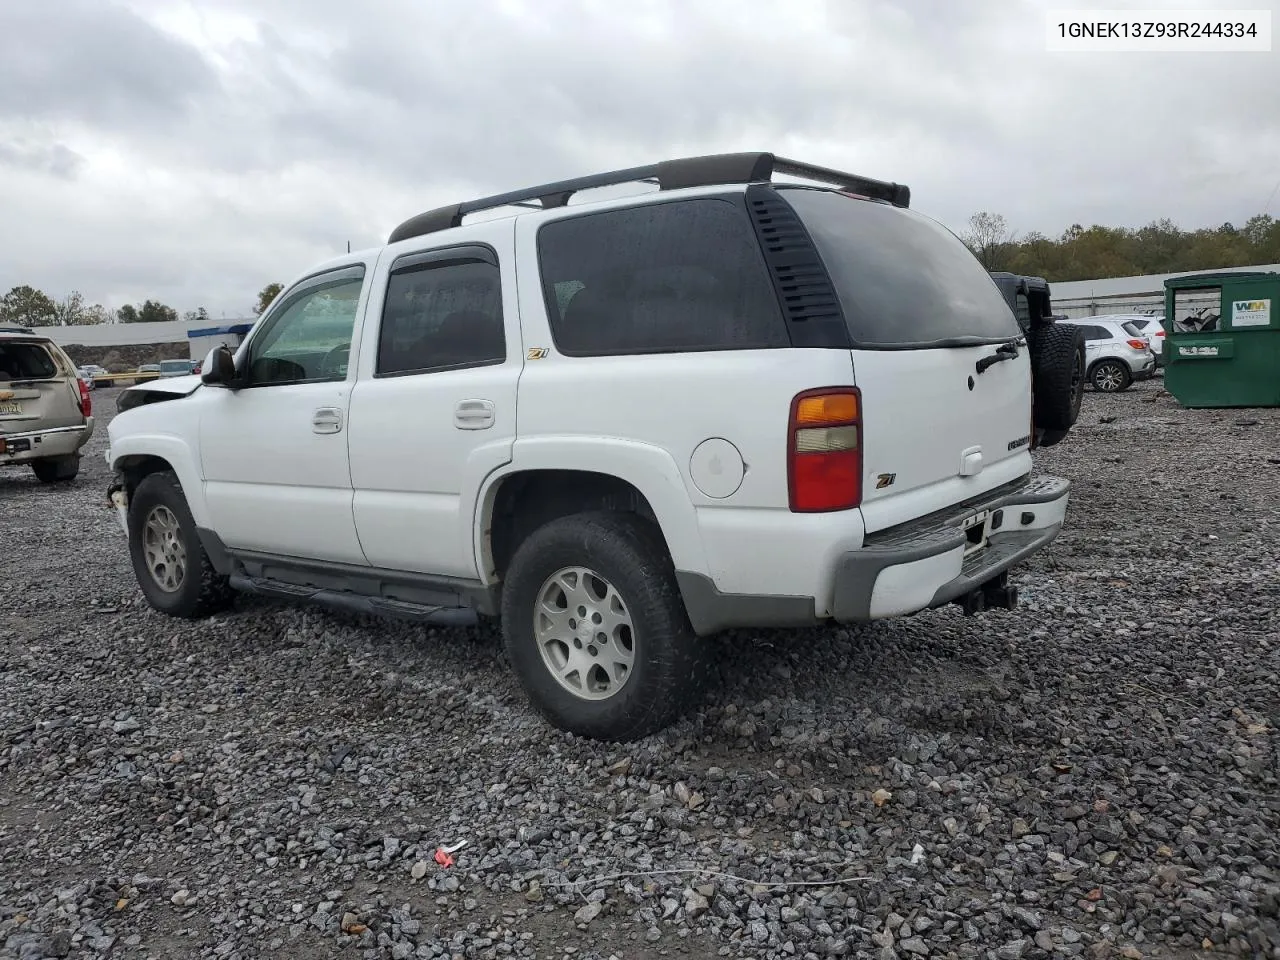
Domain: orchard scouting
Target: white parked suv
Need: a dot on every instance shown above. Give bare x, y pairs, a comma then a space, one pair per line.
619, 426
1116, 353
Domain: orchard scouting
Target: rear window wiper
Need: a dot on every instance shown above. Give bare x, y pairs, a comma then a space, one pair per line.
1006, 351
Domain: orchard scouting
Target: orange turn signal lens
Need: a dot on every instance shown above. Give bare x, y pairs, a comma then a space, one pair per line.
827, 409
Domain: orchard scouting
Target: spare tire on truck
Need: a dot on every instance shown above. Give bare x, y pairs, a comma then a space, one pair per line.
1058, 374
1057, 356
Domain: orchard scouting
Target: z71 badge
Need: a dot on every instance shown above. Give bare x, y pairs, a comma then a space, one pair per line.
885, 480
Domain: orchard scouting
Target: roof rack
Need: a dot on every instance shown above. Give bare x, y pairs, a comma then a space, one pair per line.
705, 171
16, 330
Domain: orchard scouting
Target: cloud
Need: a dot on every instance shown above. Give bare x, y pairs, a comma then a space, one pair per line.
194, 150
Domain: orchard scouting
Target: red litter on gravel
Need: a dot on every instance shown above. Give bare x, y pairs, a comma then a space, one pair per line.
444, 855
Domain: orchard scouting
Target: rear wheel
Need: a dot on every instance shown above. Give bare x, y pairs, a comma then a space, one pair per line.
169, 561
57, 469
1110, 376
596, 630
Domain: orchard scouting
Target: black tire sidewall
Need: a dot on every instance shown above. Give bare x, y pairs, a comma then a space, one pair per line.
1055, 351
163, 489
61, 469
666, 669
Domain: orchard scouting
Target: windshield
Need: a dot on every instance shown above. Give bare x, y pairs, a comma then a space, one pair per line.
904, 281
168, 365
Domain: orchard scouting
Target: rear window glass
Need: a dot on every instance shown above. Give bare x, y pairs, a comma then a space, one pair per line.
26, 361
903, 279
167, 365
670, 277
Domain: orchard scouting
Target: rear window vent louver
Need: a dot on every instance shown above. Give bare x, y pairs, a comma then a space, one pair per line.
805, 292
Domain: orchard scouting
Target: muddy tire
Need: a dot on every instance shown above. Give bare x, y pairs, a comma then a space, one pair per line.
169, 561
596, 630
1058, 372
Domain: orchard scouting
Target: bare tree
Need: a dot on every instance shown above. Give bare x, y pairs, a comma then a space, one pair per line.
990, 239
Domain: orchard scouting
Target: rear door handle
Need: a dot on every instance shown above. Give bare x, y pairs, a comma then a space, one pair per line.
326, 420
473, 414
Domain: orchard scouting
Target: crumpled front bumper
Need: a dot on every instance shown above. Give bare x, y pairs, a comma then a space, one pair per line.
118, 500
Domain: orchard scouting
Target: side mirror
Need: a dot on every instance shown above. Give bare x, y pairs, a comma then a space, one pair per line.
219, 366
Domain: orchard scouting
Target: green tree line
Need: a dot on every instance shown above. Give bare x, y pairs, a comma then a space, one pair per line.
25, 306
1098, 252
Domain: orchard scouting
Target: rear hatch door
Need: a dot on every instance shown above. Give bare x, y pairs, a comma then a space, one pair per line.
37, 389
938, 357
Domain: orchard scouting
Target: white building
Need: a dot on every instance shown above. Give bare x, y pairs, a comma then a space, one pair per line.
1094, 298
199, 340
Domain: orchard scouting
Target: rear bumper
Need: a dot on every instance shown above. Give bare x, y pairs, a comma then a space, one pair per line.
904, 570
923, 564
36, 444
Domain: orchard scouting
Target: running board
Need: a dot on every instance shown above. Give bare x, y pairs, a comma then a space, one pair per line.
356, 603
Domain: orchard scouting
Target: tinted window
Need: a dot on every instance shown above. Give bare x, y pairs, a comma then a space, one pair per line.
1097, 333
1132, 329
903, 279
26, 361
441, 316
660, 278
308, 337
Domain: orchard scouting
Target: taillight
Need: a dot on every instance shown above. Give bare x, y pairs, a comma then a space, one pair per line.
1138, 344
824, 450
86, 402
1159, 333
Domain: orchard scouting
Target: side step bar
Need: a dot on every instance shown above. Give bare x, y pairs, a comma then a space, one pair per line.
356, 603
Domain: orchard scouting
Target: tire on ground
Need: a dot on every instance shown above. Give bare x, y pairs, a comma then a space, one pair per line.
202, 590
1058, 376
670, 661
1120, 375
56, 469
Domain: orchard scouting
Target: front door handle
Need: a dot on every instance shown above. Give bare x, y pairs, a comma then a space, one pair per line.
326, 420
473, 414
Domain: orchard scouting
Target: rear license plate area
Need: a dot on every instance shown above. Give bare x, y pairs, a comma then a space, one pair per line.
10, 408
977, 530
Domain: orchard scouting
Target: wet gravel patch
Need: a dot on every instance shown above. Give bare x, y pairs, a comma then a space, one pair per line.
1092, 775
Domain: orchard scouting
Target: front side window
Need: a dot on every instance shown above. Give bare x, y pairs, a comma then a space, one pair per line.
442, 315
670, 277
308, 338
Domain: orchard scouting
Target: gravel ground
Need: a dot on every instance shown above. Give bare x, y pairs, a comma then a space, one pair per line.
1093, 775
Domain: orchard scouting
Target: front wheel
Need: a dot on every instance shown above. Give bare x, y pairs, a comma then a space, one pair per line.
1111, 376
596, 630
169, 561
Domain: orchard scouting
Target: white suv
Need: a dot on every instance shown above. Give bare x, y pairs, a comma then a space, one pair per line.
620, 426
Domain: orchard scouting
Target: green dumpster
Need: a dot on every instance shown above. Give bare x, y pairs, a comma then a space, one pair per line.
1222, 347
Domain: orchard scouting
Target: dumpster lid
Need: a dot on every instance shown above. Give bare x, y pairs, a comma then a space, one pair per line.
1215, 279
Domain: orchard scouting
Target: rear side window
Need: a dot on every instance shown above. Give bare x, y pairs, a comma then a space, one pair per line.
904, 281
26, 361
1132, 329
1092, 332
672, 277
441, 315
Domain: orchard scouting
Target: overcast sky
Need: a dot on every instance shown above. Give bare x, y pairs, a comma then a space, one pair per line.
194, 150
